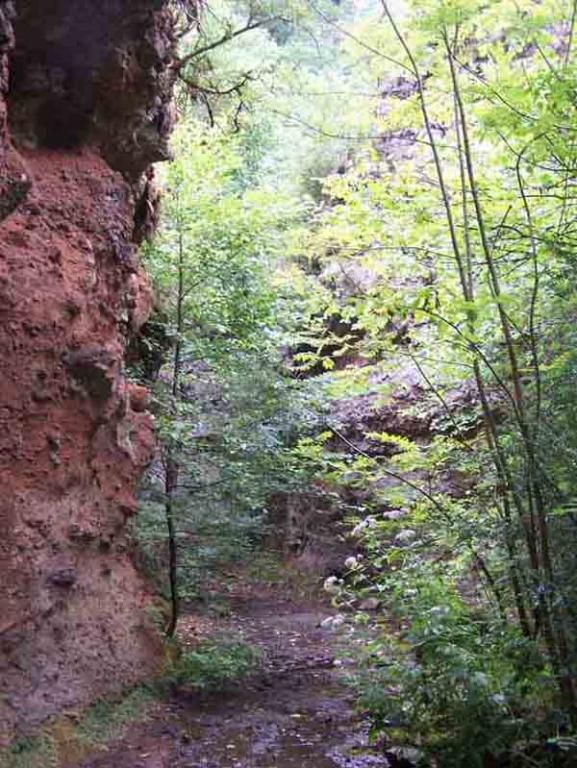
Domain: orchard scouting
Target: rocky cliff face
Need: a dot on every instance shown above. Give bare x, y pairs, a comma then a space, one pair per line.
86, 89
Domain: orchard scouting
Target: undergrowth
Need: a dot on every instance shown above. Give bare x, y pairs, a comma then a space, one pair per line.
212, 664
71, 737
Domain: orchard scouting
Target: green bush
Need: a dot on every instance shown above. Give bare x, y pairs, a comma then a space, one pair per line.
212, 664
462, 688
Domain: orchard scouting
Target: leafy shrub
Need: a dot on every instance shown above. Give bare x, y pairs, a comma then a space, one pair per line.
462, 689
212, 664
449, 677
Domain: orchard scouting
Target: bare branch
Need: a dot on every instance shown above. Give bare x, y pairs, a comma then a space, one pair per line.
227, 37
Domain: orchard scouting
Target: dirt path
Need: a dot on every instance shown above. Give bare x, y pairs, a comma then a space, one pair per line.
296, 714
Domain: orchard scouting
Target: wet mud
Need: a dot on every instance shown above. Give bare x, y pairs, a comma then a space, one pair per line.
296, 713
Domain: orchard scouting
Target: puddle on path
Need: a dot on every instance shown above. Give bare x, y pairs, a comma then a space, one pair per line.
308, 723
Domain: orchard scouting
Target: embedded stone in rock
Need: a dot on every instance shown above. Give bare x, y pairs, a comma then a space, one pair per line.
370, 604
80, 535
93, 369
138, 398
65, 577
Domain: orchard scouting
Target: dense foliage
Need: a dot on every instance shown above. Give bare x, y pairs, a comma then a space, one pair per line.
464, 219
391, 210
225, 410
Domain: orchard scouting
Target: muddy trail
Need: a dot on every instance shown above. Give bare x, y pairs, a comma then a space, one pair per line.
297, 712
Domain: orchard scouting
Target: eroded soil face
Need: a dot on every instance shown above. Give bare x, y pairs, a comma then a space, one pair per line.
297, 714
74, 435
71, 445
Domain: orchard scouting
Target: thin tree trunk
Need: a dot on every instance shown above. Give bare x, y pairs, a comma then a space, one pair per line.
466, 279
534, 522
172, 465
553, 625
171, 484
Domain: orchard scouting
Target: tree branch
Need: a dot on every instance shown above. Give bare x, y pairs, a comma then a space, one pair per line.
227, 37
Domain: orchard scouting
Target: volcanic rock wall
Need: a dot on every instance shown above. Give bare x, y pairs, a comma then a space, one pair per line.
85, 109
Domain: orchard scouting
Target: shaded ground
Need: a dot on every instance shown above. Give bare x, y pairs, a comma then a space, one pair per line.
296, 714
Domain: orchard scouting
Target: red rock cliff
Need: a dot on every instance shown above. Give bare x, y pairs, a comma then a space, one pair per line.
86, 91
